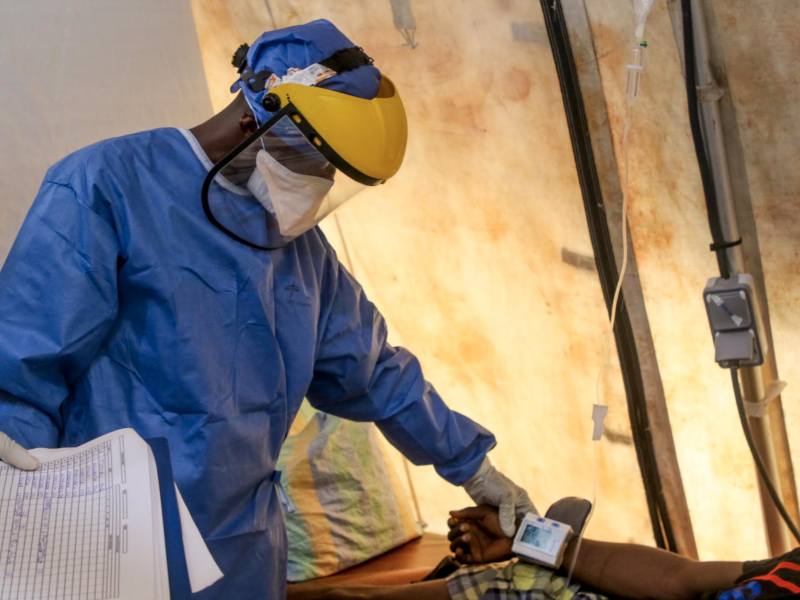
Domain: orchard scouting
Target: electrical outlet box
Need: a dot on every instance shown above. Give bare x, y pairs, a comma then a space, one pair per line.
735, 320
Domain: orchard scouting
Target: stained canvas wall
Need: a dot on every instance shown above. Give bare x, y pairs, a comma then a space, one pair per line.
670, 236
760, 42
464, 250
473, 276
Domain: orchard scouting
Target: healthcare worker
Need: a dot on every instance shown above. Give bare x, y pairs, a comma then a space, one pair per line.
175, 282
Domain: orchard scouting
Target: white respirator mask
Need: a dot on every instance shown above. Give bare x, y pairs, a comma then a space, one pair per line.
293, 198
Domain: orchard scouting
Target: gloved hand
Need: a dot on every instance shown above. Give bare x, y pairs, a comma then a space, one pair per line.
490, 486
15, 455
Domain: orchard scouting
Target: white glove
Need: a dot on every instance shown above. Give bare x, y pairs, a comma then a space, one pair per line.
15, 455
490, 486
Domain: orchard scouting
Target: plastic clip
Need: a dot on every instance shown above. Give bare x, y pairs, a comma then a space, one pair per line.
709, 93
599, 413
759, 409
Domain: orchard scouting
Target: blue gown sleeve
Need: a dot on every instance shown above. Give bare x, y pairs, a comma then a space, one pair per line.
359, 376
58, 300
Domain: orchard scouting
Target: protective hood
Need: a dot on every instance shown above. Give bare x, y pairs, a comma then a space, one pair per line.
334, 126
300, 47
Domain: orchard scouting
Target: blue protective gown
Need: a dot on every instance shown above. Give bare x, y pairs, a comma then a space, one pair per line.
122, 306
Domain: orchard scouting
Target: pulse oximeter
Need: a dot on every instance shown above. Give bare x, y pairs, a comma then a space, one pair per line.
541, 540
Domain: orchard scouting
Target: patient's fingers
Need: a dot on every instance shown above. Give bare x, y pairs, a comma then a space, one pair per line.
472, 512
457, 531
461, 545
461, 541
464, 557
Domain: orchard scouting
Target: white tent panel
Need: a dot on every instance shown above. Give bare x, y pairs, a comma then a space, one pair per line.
78, 71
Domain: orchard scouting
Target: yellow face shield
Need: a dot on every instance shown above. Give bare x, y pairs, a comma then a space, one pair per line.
365, 139
319, 150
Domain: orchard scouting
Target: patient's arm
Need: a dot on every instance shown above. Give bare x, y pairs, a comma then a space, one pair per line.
641, 572
626, 570
427, 590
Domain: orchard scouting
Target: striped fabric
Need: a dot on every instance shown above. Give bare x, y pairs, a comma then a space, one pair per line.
513, 580
351, 506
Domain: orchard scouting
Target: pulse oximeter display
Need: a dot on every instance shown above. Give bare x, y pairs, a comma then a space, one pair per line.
541, 540
537, 537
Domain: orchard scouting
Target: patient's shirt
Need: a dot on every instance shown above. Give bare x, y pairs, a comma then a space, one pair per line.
765, 579
515, 580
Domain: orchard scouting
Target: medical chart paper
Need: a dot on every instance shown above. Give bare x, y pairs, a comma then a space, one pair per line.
86, 525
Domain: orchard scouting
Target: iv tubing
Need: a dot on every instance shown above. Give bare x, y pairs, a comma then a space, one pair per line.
634, 71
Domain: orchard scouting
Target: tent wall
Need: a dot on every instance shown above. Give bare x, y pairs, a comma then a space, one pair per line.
78, 71
671, 238
645, 388
473, 278
759, 43
477, 252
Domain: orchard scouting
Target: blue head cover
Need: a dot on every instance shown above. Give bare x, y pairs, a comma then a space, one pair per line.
301, 46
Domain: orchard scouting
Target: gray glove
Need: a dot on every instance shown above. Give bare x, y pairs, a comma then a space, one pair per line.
490, 486
15, 455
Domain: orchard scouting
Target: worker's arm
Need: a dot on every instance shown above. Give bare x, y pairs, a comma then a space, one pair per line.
58, 299
359, 376
626, 570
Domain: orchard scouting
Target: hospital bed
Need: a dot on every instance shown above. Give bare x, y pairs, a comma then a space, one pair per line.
412, 561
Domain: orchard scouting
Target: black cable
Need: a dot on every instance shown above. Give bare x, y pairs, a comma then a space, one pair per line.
714, 220
762, 470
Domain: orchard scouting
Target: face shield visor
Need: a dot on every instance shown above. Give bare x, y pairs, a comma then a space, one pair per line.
319, 149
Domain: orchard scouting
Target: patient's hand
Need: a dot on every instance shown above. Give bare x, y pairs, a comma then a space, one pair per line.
475, 536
